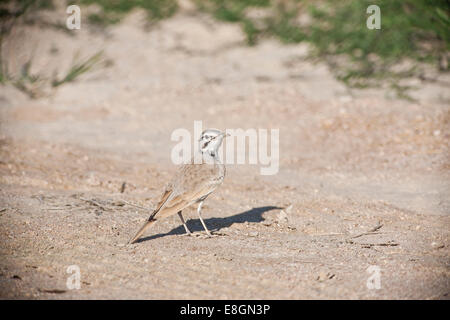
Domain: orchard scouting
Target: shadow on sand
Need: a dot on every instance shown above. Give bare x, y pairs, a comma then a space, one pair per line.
215, 224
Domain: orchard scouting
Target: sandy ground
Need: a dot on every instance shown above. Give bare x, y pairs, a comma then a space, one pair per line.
350, 162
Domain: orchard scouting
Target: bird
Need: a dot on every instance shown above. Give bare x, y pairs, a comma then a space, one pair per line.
192, 183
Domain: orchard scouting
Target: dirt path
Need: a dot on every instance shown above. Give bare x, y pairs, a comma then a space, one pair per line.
349, 162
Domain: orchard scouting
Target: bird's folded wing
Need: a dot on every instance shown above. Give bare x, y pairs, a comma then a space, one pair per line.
161, 202
179, 202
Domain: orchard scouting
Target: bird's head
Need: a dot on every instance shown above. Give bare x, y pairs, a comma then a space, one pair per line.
210, 141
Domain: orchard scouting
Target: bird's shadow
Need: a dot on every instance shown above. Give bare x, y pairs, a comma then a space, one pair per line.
215, 224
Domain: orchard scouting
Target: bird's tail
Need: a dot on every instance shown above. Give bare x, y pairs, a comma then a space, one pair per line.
142, 229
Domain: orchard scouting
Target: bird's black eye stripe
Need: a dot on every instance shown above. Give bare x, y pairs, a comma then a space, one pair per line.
208, 137
206, 144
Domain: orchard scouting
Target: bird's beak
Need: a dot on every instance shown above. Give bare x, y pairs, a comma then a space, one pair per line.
224, 134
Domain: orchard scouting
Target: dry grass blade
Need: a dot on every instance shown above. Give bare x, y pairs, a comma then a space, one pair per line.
78, 69
371, 231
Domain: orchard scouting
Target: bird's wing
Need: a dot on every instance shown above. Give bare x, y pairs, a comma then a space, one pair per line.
184, 200
161, 202
151, 220
191, 182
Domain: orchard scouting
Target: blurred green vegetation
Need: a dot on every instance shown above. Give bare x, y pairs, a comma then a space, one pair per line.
30, 83
415, 31
114, 10
10, 12
270, 18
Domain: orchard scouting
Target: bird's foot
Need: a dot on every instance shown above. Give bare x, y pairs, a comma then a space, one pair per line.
218, 234
187, 234
203, 235
200, 235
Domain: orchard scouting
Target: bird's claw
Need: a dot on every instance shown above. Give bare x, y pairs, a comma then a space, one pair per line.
200, 235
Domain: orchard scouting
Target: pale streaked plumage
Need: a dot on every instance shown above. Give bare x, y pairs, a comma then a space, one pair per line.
192, 183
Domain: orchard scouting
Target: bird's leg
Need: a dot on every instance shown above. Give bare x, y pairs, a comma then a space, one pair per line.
199, 210
184, 223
